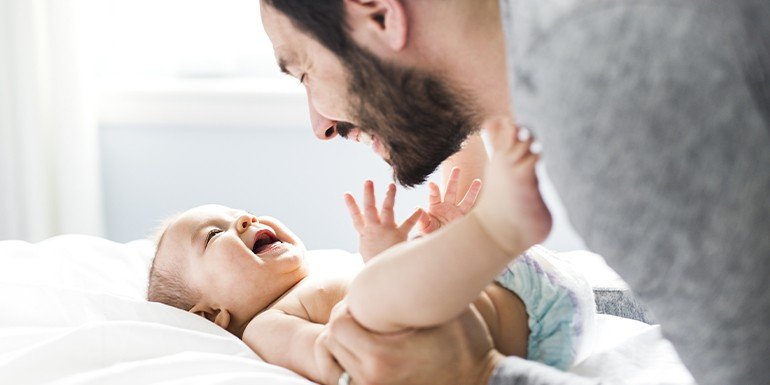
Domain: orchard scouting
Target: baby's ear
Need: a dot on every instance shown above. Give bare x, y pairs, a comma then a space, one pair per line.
217, 316
222, 318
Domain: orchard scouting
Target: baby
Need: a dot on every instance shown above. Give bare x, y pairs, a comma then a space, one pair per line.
248, 275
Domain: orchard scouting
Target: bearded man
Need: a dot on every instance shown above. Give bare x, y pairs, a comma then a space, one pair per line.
654, 117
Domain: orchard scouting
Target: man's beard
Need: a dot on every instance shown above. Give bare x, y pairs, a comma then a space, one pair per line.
418, 117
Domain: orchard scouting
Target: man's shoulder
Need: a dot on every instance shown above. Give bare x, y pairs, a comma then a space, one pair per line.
545, 15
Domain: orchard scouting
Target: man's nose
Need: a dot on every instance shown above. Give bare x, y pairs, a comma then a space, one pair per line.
323, 128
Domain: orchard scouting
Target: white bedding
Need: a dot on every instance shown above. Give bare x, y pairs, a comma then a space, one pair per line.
73, 312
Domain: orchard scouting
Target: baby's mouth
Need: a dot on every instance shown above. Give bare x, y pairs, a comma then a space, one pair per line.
265, 240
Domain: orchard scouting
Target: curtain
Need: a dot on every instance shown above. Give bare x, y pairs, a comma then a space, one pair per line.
49, 172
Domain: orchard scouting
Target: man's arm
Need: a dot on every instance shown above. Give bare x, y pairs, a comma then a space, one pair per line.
457, 353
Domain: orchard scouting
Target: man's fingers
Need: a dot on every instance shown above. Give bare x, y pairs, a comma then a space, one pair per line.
469, 200
325, 360
450, 195
346, 336
412, 220
355, 212
388, 203
370, 207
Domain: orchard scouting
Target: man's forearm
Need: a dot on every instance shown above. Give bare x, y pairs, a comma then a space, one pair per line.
428, 281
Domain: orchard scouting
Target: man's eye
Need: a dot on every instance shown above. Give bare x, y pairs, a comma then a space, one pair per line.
211, 234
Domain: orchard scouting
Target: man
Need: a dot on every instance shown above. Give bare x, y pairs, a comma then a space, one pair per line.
655, 121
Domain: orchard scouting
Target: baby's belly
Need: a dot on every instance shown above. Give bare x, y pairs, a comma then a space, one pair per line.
506, 317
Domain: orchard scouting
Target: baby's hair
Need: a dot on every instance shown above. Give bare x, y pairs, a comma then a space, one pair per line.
165, 284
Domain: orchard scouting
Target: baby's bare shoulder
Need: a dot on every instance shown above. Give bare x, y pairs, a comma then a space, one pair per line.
319, 296
313, 298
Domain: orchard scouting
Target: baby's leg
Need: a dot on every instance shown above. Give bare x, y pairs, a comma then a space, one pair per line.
511, 209
440, 274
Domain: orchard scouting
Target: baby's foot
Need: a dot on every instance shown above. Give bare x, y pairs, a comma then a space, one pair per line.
510, 208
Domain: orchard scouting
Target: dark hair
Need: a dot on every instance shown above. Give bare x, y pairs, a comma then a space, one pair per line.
323, 20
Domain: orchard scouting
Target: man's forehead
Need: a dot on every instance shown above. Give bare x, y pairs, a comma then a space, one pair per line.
284, 36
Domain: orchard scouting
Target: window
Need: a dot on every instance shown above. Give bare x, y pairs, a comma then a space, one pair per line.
163, 40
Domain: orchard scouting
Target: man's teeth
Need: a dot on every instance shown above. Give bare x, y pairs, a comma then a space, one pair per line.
365, 138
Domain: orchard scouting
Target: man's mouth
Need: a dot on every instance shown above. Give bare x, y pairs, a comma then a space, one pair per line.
265, 241
370, 140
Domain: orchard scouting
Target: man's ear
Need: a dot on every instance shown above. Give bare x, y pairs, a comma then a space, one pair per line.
378, 23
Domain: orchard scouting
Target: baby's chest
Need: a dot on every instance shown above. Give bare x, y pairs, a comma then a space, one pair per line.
316, 299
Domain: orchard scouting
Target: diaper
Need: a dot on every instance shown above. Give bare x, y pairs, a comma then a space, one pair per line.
560, 305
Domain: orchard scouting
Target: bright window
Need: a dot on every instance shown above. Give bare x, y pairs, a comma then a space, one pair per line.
178, 39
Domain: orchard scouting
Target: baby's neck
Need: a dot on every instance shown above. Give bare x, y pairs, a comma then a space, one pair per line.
302, 274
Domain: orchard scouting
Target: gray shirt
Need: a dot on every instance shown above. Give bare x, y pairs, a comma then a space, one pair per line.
655, 121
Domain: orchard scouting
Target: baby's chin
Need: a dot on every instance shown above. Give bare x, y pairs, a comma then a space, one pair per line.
291, 259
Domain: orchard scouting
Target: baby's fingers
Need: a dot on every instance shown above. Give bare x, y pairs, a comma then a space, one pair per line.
388, 203
411, 221
370, 207
450, 194
434, 194
355, 212
470, 197
424, 223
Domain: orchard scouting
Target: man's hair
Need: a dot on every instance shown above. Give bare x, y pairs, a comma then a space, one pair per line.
166, 284
323, 20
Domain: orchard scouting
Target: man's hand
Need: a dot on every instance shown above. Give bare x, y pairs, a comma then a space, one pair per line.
444, 210
378, 230
457, 353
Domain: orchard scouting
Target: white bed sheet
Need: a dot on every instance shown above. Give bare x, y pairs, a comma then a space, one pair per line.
73, 312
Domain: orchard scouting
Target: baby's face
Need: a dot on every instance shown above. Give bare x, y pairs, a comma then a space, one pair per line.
238, 262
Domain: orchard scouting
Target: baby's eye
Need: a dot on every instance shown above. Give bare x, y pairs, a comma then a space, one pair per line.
211, 234
302, 78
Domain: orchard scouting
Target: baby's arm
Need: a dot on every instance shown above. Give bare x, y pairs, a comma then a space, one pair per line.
291, 333
431, 280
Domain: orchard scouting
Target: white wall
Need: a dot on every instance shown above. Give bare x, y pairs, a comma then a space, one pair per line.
169, 150
173, 147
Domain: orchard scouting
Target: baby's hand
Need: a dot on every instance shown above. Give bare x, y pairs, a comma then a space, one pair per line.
378, 230
442, 211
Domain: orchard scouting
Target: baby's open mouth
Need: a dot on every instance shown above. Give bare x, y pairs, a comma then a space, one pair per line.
264, 240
